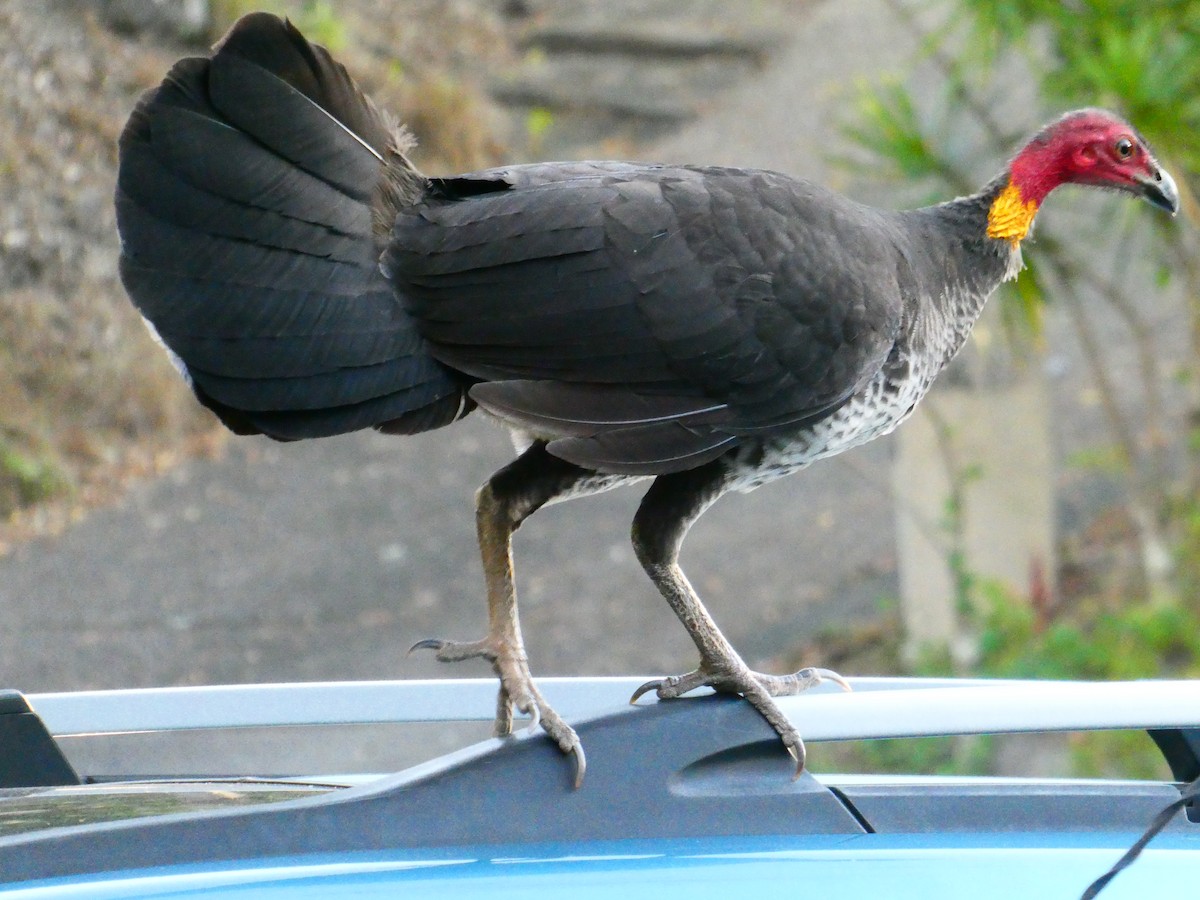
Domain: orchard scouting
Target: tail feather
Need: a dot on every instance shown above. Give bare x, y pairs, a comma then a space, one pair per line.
210, 156
178, 126
315, 392
276, 46
158, 191
294, 126
248, 200
378, 413
241, 267
229, 346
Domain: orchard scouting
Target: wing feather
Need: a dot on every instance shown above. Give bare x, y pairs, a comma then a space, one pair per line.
550, 408
645, 450
644, 319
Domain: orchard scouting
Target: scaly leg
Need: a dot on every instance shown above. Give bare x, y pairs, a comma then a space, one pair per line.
667, 511
501, 505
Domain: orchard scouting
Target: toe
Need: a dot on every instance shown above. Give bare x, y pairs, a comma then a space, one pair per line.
674, 685
456, 651
799, 682
567, 740
504, 713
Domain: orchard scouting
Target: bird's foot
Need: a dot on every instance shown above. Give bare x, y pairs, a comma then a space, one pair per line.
757, 688
517, 692
800, 681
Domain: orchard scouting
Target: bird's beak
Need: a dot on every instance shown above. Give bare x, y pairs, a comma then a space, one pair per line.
1159, 188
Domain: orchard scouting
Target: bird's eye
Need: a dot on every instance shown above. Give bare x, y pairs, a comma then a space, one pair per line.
1124, 148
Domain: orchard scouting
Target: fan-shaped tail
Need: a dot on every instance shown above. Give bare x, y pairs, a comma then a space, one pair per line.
254, 195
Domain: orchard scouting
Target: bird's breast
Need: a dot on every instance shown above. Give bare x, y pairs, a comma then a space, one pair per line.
886, 401
930, 340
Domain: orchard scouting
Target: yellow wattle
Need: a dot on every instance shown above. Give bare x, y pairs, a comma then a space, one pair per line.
1011, 216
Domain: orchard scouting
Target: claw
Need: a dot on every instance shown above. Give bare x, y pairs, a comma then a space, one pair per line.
535, 717
829, 675
645, 689
580, 764
799, 754
427, 644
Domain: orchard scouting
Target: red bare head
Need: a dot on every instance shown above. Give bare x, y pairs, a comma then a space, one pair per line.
1092, 147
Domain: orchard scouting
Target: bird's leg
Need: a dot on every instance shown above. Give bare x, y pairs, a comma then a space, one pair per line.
501, 505
667, 511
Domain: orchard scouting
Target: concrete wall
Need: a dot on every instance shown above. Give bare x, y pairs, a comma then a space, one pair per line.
1008, 511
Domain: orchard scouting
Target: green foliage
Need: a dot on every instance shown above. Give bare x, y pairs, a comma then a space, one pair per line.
538, 121
1187, 513
1141, 57
319, 21
1117, 754
26, 479
1106, 458
888, 127
1088, 642
957, 755
1024, 303
1136, 641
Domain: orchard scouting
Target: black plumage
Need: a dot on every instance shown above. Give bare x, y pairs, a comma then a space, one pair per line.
248, 241
713, 328
582, 281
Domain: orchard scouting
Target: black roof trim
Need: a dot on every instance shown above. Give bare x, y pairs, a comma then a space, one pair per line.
29, 756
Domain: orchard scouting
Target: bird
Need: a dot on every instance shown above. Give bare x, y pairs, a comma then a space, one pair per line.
704, 329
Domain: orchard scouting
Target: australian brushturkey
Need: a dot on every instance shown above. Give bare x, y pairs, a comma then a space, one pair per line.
710, 328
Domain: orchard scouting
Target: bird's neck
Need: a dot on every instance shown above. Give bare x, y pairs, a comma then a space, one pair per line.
1011, 213
960, 262
984, 230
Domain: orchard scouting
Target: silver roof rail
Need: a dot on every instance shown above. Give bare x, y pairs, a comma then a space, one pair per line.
877, 708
